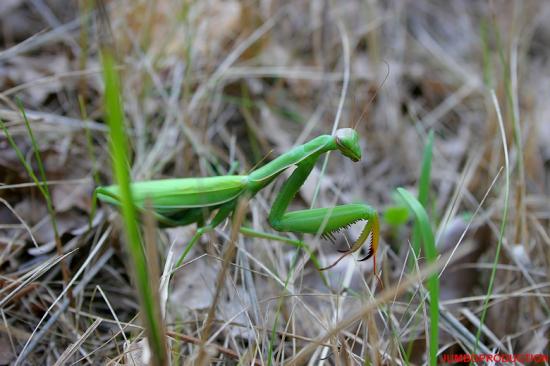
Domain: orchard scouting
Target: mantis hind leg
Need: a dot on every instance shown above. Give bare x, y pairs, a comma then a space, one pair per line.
295, 243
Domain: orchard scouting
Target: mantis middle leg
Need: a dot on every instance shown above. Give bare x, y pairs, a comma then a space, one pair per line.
222, 214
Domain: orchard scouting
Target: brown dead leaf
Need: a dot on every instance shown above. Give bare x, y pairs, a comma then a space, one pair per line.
31, 210
16, 24
36, 76
6, 351
194, 286
8, 157
67, 196
6, 6
457, 282
66, 222
538, 343
226, 15
234, 307
212, 24
137, 353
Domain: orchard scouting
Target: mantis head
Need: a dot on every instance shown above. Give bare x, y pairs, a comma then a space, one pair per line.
347, 141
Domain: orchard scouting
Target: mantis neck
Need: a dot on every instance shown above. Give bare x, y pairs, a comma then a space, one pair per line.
264, 175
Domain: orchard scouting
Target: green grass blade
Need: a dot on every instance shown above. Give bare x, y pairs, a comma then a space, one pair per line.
36, 152
42, 185
425, 173
47, 196
427, 237
21, 157
486, 54
423, 193
503, 222
148, 297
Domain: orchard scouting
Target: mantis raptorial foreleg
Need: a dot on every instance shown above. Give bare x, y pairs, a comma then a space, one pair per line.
321, 221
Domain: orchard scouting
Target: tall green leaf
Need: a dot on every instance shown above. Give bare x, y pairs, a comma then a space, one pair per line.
148, 296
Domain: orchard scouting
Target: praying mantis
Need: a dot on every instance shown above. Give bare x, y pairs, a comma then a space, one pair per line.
185, 201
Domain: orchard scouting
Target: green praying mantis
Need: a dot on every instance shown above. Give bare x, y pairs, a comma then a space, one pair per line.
185, 201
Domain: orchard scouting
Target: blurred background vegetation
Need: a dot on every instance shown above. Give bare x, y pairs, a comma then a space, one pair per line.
207, 84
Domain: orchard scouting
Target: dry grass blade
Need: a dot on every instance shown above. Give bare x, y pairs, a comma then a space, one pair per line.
232, 57
229, 255
41, 184
223, 350
50, 119
384, 297
149, 237
33, 276
504, 221
37, 334
64, 358
346, 55
29, 231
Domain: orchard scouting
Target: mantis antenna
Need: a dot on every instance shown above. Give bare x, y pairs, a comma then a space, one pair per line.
374, 96
260, 161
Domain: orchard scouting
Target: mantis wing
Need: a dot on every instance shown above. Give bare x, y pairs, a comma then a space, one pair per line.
168, 195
